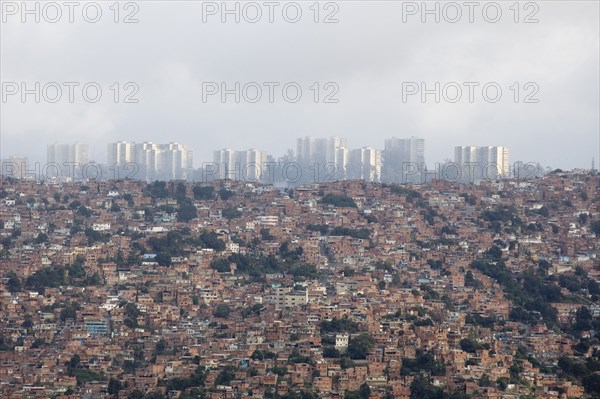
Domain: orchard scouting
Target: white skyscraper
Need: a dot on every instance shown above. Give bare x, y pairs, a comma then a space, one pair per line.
120, 153
68, 160
322, 158
247, 165
59, 154
334, 144
224, 161
145, 156
342, 158
80, 153
480, 163
311, 150
465, 154
172, 161
364, 163
68, 153
252, 164
403, 159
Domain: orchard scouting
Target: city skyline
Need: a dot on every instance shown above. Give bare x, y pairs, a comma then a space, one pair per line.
125, 151
351, 58
317, 159
170, 161
400, 160
95, 153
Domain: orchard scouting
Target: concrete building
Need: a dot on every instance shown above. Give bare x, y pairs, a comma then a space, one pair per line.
322, 159
341, 341
286, 297
64, 160
172, 161
248, 165
364, 163
482, 163
120, 153
403, 160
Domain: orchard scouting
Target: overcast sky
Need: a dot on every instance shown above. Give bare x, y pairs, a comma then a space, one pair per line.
369, 55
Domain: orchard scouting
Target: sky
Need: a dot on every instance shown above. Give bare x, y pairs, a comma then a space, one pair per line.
524, 76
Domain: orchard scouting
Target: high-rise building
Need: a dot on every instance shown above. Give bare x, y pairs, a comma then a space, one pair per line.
224, 163
247, 165
58, 153
119, 153
465, 154
334, 144
63, 160
68, 153
252, 164
364, 163
175, 161
311, 150
80, 153
342, 157
496, 159
403, 160
322, 158
145, 156
172, 161
481, 163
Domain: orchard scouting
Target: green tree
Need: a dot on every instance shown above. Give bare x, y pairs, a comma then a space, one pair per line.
69, 312
596, 227
364, 391
225, 376
340, 201
131, 310
470, 345
74, 362
231, 213
203, 192
583, 319
210, 239
422, 389
186, 212
28, 322
160, 347
14, 283
225, 194
359, 346
136, 394
114, 386
84, 211
222, 311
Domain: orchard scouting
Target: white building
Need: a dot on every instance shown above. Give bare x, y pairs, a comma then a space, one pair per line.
120, 153
247, 165
322, 159
480, 163
364, 163
101, 226
172, 161
68, 153
341, 341
64, 160
403, 159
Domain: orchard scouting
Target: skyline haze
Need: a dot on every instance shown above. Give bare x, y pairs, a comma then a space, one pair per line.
369, 61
